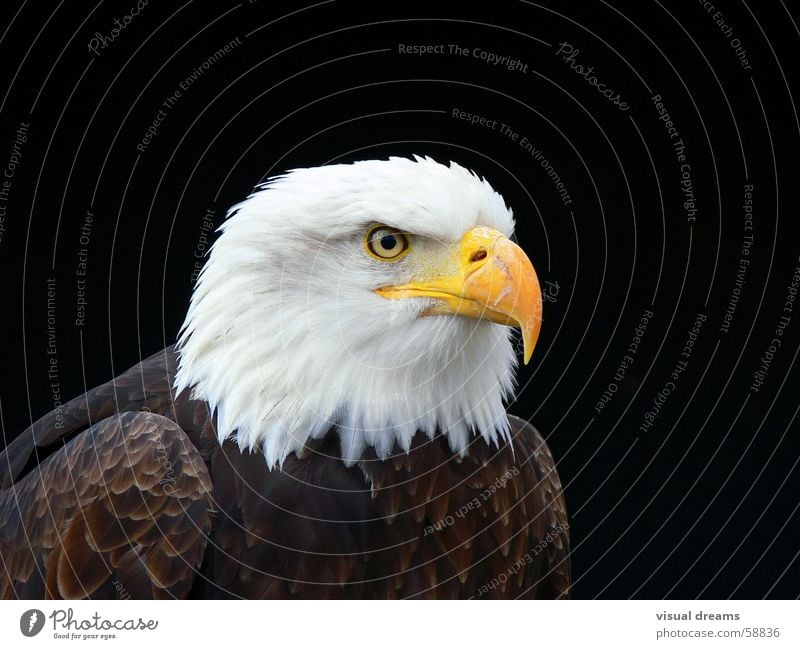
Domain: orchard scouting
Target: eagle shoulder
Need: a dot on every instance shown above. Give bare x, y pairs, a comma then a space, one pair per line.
122, 510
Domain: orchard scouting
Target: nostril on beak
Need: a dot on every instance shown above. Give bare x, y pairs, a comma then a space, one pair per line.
478, 255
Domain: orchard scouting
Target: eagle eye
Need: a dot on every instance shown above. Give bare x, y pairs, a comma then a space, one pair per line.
386, 244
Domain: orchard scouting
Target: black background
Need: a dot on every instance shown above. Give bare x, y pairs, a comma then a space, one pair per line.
704, 502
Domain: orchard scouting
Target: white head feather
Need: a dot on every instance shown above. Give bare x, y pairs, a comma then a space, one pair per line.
286, 339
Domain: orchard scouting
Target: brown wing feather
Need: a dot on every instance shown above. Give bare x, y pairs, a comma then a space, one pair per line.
121, 509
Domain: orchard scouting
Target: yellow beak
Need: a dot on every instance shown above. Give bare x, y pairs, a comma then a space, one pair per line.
493, 280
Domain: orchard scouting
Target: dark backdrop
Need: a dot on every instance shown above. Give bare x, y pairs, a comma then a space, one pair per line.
680, 486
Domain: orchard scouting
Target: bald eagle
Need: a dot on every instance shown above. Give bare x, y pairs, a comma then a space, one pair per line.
331, 422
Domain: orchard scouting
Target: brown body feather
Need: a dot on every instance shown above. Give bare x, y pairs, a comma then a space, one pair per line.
133, 497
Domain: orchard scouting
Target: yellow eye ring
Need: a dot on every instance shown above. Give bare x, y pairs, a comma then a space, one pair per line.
386, 244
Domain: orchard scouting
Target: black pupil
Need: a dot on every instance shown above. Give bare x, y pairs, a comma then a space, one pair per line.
388, 241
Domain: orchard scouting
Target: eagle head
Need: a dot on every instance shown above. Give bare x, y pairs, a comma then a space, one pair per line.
372, 298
